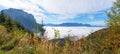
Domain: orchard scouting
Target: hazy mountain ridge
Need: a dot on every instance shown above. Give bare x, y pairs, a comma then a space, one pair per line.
73, 24
24, 18
68, 24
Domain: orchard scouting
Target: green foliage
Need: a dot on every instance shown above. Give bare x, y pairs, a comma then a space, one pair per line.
2, 17
57, 34
36, 28
114, 17
7, 23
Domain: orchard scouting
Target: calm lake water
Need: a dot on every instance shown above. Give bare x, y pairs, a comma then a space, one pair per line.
73, 31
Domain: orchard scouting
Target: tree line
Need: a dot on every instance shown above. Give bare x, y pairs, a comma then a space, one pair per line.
10, 24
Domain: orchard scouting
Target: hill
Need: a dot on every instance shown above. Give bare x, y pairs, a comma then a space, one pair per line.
24, 18
103, 41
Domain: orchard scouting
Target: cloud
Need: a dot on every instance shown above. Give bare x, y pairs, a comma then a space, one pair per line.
70, 8
60, 9
91, 17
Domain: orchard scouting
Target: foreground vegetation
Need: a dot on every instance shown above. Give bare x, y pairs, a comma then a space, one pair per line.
20, 42
14, 39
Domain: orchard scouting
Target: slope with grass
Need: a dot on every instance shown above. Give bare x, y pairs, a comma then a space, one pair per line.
104, 41
20, 42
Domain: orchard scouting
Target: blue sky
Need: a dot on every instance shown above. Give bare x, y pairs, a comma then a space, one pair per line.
61, 11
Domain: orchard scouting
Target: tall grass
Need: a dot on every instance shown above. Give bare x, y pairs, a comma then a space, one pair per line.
21, 42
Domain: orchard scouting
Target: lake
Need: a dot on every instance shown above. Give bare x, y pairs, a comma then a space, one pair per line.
73, 31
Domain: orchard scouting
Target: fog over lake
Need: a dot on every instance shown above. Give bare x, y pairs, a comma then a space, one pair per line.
73, 31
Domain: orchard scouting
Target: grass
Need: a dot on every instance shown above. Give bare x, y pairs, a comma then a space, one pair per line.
20, 42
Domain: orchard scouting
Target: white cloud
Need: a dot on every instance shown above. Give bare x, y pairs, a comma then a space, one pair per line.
70, 8
91, 17
66, 9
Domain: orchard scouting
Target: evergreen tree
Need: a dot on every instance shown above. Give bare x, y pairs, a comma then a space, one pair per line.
114, 17
36, 28
42, 30
8, 23
2, 17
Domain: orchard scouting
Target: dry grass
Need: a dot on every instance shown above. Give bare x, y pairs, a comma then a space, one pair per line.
20, 42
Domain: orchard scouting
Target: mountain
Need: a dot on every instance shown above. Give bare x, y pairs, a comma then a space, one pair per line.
69, 24
25, 19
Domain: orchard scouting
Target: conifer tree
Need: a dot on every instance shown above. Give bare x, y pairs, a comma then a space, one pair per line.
114, 17
42, 30
2, 17
8, 23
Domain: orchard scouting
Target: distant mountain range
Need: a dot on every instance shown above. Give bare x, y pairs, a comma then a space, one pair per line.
73, 24
24, 18
68, 24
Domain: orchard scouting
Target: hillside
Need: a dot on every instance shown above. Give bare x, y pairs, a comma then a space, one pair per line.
24, 18
103, 41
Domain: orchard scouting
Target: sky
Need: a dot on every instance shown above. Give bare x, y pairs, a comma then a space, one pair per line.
61, 11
